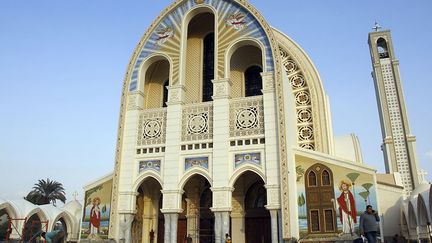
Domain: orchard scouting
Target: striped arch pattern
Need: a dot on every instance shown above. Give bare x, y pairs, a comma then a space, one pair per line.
234, 22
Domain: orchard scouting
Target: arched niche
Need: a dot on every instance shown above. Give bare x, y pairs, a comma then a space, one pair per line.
153, 81
199, 54
245, 63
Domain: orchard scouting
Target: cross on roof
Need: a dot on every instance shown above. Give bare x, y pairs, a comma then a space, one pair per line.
422, 175
75, 194
377, 26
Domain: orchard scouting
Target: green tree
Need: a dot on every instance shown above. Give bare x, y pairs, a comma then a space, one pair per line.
46, 192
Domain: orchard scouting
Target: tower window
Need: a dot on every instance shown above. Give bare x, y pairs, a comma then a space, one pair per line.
382, 48
208, 67
253, 81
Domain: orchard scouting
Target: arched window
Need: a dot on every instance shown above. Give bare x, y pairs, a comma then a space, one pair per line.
253, 81
199, 62
312, 179
165, 94
208, 67
382, 48
325, 178
155, 79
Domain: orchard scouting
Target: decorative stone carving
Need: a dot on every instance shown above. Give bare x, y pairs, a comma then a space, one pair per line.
246, 116
221, 88
176, 94
197, 122
133, 101
306, 133
303, 99
273, 200
151, 127
221, 199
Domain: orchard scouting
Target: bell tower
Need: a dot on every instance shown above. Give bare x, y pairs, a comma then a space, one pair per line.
398, 142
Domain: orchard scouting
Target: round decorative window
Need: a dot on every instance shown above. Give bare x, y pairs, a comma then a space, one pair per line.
197, 124
152, 129
247, 118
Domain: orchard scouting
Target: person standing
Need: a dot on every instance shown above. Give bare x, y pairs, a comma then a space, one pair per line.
227, 238
368, 224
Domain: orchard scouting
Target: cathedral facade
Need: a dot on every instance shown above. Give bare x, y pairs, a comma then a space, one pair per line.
225, 131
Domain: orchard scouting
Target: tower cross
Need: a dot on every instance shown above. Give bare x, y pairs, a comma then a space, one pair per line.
376, 27
75, 194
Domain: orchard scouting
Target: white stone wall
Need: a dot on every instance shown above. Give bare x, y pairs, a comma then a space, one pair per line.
389, 200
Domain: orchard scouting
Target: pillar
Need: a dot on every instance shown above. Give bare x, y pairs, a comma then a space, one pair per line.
125, 223
173, 227
218, 227
225, 216
167, 235
274, 225
280, 226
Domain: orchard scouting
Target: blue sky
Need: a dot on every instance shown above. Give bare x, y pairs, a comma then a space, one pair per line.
62, 65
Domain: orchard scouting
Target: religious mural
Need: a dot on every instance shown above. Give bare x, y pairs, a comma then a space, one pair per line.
332, 198
97, 206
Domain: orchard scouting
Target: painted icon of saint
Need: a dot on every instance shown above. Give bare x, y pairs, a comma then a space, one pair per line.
95, 217
347, 208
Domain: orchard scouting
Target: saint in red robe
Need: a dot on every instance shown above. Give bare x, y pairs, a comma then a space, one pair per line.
344, 207
95, 216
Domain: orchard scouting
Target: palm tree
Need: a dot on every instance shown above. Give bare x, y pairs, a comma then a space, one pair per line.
46, 192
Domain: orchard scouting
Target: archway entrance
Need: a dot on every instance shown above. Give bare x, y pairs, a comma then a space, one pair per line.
200, 219
61, 225
319, 199
3, 224
32, 228
250, 219
145, 226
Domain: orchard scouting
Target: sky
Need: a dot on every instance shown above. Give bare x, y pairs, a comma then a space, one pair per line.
62, 65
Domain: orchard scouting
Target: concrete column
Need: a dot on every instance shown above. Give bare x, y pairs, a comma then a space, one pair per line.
173, 228
222, 225
221, 108
167, 228
280, 226
125, 221
225, 224
218, 227
274, 225
270, 129
173, 137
